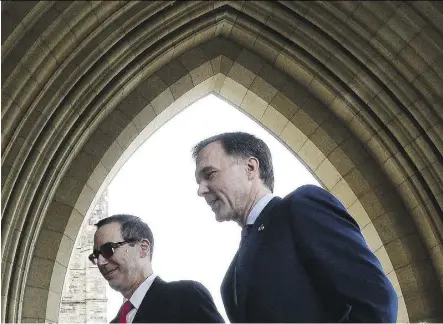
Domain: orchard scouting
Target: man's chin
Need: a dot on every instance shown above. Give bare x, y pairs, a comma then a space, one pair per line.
222, 218
113, 282
114, 285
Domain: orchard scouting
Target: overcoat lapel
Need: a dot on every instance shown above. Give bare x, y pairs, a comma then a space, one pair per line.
247, 252
148, 308
228, 290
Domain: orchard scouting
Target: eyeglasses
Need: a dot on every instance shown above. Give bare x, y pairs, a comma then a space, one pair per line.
107, 250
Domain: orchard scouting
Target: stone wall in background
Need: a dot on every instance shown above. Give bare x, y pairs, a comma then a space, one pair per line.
84, 298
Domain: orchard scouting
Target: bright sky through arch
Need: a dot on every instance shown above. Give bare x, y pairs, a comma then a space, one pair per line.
157, 184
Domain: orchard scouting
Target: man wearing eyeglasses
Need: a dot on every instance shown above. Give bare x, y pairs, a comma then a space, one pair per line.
123, 246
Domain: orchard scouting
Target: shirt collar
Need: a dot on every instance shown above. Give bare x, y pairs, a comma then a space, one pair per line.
258, 207
138, 295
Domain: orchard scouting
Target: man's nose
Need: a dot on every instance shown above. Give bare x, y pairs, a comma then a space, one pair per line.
202, 189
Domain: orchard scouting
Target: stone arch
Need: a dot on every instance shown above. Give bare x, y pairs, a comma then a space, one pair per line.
361, 113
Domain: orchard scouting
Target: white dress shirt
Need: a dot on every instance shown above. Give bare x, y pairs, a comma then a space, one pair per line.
258, 207
138, 295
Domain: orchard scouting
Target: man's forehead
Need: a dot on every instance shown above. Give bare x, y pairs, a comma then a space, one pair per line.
208, 155
108, 233
211, 153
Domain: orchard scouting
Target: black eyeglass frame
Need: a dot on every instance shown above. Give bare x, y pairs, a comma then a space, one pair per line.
93, 257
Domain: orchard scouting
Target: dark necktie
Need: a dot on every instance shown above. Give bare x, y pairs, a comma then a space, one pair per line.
126, 308
245, 231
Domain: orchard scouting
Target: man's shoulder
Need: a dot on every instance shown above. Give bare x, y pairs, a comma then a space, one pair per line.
193, 290
186, 285
308, 189
307, 195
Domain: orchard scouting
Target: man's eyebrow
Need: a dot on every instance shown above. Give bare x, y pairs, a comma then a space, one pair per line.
204, 170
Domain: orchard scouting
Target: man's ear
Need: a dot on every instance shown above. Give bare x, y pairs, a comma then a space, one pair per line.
145, 246
252, 167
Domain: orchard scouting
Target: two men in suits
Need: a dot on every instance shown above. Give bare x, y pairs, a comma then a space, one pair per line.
123, 247
301, 258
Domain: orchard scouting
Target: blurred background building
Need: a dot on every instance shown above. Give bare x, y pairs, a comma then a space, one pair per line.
84, 297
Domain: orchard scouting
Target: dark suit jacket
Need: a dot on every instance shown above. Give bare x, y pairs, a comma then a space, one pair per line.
176, 302
305, 260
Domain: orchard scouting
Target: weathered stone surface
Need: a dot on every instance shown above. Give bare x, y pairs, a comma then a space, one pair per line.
84, 297
69, 69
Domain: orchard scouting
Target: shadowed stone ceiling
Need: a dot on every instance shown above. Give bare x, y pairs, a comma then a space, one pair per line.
354, 89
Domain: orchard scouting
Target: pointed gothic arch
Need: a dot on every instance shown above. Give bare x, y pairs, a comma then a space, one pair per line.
84, 83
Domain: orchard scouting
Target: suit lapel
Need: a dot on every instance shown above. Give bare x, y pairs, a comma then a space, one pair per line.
228, 292
148, 307
248, 251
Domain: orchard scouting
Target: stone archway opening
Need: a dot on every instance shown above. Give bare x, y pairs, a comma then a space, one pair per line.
161, 171
166, 128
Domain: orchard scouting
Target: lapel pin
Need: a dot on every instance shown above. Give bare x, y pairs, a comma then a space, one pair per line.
261, 228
